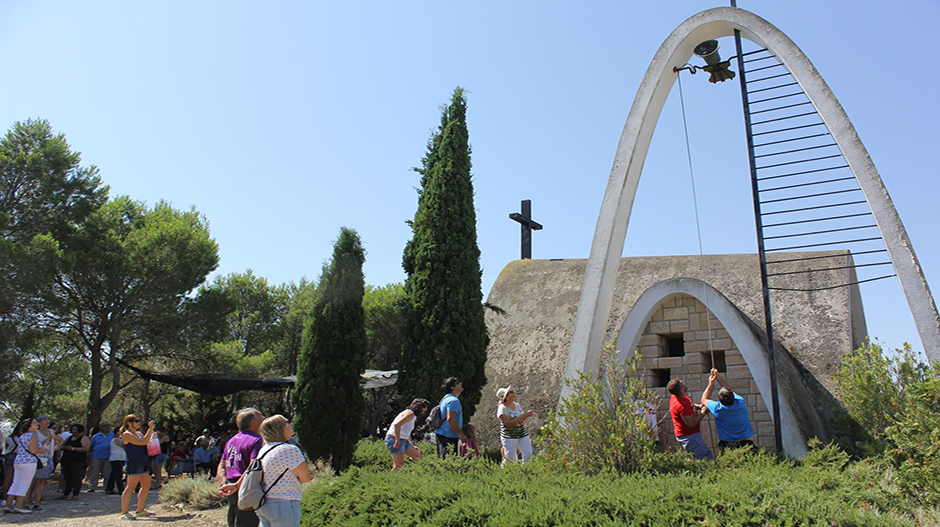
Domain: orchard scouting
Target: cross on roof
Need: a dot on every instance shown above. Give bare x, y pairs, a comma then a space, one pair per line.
527, 227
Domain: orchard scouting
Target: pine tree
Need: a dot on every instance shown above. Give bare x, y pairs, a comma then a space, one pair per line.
328, 397
444, 332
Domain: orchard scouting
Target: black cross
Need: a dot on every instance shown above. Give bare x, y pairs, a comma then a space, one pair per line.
527, 227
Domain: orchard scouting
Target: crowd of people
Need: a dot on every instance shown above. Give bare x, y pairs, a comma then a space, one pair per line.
134, 459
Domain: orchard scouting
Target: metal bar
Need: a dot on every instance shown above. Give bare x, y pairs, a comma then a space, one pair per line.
774, 88
803, 173
819, 232
814, 208
739, 55
771, 77
817, 147
794, 94
822, 244
800, 161
835, 286
759, 58
818, 219
784, 118
791, 140
852, 178
777, 65
782, 107
824, 269
794, 198
788, 129
765, 288
840, 255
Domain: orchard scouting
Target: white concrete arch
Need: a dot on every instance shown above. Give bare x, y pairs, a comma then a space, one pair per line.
609, 234
735, 323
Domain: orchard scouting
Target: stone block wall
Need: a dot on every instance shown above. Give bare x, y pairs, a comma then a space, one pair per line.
680, 341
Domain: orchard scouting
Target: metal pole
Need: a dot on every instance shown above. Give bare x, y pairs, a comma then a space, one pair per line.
765, 288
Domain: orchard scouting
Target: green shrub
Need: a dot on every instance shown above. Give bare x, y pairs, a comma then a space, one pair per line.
915, 441
602, 425
745, 489
201, 492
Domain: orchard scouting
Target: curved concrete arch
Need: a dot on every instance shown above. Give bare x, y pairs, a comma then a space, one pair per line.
609, 234
738, 327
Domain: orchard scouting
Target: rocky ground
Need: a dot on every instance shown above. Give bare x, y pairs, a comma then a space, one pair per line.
97, 509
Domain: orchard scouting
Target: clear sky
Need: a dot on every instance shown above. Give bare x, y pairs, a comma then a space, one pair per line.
283, 121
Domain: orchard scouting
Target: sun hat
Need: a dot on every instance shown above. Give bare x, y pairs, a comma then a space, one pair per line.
501, 393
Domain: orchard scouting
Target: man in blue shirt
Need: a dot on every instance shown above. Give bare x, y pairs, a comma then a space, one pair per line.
100, 448
450, 433
730, 411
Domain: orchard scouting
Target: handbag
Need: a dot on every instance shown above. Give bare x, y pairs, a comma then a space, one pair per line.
153, 446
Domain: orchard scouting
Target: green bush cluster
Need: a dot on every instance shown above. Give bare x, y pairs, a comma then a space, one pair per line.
741, 490
602, 425
893, 399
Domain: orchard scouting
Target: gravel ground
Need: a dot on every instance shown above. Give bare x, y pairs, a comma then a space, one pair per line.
97, 509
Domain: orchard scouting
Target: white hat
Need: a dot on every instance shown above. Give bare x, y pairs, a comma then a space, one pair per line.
501, 393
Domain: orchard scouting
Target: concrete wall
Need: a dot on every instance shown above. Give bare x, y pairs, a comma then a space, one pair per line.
529, 345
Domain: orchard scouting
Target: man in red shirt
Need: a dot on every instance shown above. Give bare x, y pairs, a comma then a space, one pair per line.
686, 418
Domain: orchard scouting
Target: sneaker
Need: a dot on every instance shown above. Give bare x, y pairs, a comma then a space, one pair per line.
22, 511
7, 510
37, 507
144, 513
127, 516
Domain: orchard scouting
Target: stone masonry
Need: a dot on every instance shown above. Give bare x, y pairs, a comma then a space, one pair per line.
683, 340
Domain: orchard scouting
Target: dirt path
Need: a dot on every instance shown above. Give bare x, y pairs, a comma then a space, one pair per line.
97, 509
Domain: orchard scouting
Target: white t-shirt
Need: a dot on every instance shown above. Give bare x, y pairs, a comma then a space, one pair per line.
515, 432
286, 457
48, 444
117, 450
406, 428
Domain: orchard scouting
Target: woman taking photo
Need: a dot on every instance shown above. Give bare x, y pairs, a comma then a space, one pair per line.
137, 465
398, 438
285, 468
74, 452
512, 432
27, 448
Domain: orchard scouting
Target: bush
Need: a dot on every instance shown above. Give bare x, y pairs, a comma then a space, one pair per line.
602, 425
915, 441
746, 489
200, 493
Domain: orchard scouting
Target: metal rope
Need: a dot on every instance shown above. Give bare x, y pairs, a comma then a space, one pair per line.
698, 227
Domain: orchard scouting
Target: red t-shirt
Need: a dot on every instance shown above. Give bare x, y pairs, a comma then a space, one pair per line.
679, 407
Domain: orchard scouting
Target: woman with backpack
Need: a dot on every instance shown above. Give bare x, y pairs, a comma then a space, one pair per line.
284, 469
398, 438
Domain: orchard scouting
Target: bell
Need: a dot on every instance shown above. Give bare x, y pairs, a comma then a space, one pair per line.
708, 50
718, 70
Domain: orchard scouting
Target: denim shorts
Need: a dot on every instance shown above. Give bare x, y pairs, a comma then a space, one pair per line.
136, 467
403, 445
160, 458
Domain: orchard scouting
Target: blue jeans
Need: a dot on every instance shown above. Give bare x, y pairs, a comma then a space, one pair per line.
696, 445
279, 513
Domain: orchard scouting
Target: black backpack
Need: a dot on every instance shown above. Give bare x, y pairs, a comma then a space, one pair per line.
435, 419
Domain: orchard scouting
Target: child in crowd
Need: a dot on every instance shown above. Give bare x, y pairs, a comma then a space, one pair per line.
469, 447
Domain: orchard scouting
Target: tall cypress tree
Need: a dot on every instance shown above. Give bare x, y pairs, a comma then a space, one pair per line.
328, 398
444, 332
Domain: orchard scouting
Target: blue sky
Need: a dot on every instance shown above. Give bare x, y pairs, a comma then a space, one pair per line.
283, 121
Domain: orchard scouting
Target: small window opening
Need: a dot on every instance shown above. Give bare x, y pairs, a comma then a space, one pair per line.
661, 377
675, 346
719, 364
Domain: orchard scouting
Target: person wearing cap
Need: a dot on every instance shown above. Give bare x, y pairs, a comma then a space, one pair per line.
512, 433
730, 411
450, 433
